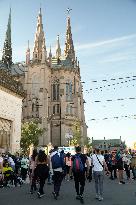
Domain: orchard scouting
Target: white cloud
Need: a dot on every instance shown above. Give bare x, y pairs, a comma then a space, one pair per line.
117, 57
109, 42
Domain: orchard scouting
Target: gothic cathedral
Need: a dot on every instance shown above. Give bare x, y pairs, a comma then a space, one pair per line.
53, 88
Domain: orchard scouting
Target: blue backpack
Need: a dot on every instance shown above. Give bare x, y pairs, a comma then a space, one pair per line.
57, 161
77, 164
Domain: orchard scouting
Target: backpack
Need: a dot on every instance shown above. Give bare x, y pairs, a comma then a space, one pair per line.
77, 164
57, 161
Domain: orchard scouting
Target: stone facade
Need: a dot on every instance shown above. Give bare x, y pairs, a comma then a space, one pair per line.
10, 120
54, 89
11, 95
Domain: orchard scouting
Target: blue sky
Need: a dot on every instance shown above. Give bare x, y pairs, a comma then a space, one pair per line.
104, 34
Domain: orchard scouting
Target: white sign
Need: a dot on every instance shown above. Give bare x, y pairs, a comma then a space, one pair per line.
68, 136
67, 149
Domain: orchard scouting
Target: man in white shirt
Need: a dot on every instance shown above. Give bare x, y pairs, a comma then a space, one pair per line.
99, 164
1, 161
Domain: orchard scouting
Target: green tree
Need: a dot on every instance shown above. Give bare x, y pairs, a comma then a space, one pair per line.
76, 140
88, 144
30, 134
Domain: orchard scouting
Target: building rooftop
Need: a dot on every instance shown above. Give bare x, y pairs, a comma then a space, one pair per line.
7, 81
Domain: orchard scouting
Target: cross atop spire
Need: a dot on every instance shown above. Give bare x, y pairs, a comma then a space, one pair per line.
68, 11
39, 39
7, 49
69, 47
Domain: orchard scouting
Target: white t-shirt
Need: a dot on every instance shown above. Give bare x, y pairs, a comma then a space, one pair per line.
1, 160
97, 167
11, 161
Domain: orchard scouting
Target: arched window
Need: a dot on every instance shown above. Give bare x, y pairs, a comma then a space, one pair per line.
35, 84
32, 107
56, 109
68, 91
55, 92
69, 109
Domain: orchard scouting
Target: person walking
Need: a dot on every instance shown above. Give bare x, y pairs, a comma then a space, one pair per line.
78, 167
120, 167
32, 166
24, 167
68, 165
1, 161
41, 171
126, 160
99, 165
133, 165
17, 164
57, 161
112, 160
89, 157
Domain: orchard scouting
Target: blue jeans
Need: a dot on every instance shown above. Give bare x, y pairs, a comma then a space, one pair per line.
98, 177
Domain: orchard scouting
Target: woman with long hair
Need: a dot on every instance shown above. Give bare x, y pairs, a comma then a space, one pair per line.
68, 165
32, 166
42, 171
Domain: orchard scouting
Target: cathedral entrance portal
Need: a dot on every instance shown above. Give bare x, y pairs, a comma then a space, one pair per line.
5, 134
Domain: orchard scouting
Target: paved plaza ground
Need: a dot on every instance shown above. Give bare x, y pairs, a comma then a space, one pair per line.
114, 194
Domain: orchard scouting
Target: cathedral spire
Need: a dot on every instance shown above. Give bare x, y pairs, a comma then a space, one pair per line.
39, 39
50, 56
28, 55
7, 49
50, 53
69, 47
44, 52
58, 49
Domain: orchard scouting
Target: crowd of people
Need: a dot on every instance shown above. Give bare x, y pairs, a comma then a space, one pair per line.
58, 166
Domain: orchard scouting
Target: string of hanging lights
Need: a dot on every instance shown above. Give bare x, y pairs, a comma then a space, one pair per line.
114, 118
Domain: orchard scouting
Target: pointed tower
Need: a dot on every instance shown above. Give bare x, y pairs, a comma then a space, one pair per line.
58, 49
7, 49
69, 47
50, 53
44, 52
39, 40
28, 55
50, 56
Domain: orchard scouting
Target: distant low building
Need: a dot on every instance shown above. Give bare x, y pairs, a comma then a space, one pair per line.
108, 144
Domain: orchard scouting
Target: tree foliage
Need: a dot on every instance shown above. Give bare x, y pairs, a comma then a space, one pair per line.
76, 140
30, 134
88, 144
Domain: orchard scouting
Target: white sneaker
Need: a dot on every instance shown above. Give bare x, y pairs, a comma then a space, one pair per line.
100, 198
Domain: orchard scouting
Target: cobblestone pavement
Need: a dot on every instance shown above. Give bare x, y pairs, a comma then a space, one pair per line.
114, 194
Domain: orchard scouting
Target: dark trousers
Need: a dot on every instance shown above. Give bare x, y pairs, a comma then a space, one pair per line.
134, 172
127, 170
23, 173
33, 183
57, 178
41, 183
17, 168
90, 174
41, 172
11, 178
113, 169
79, 179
